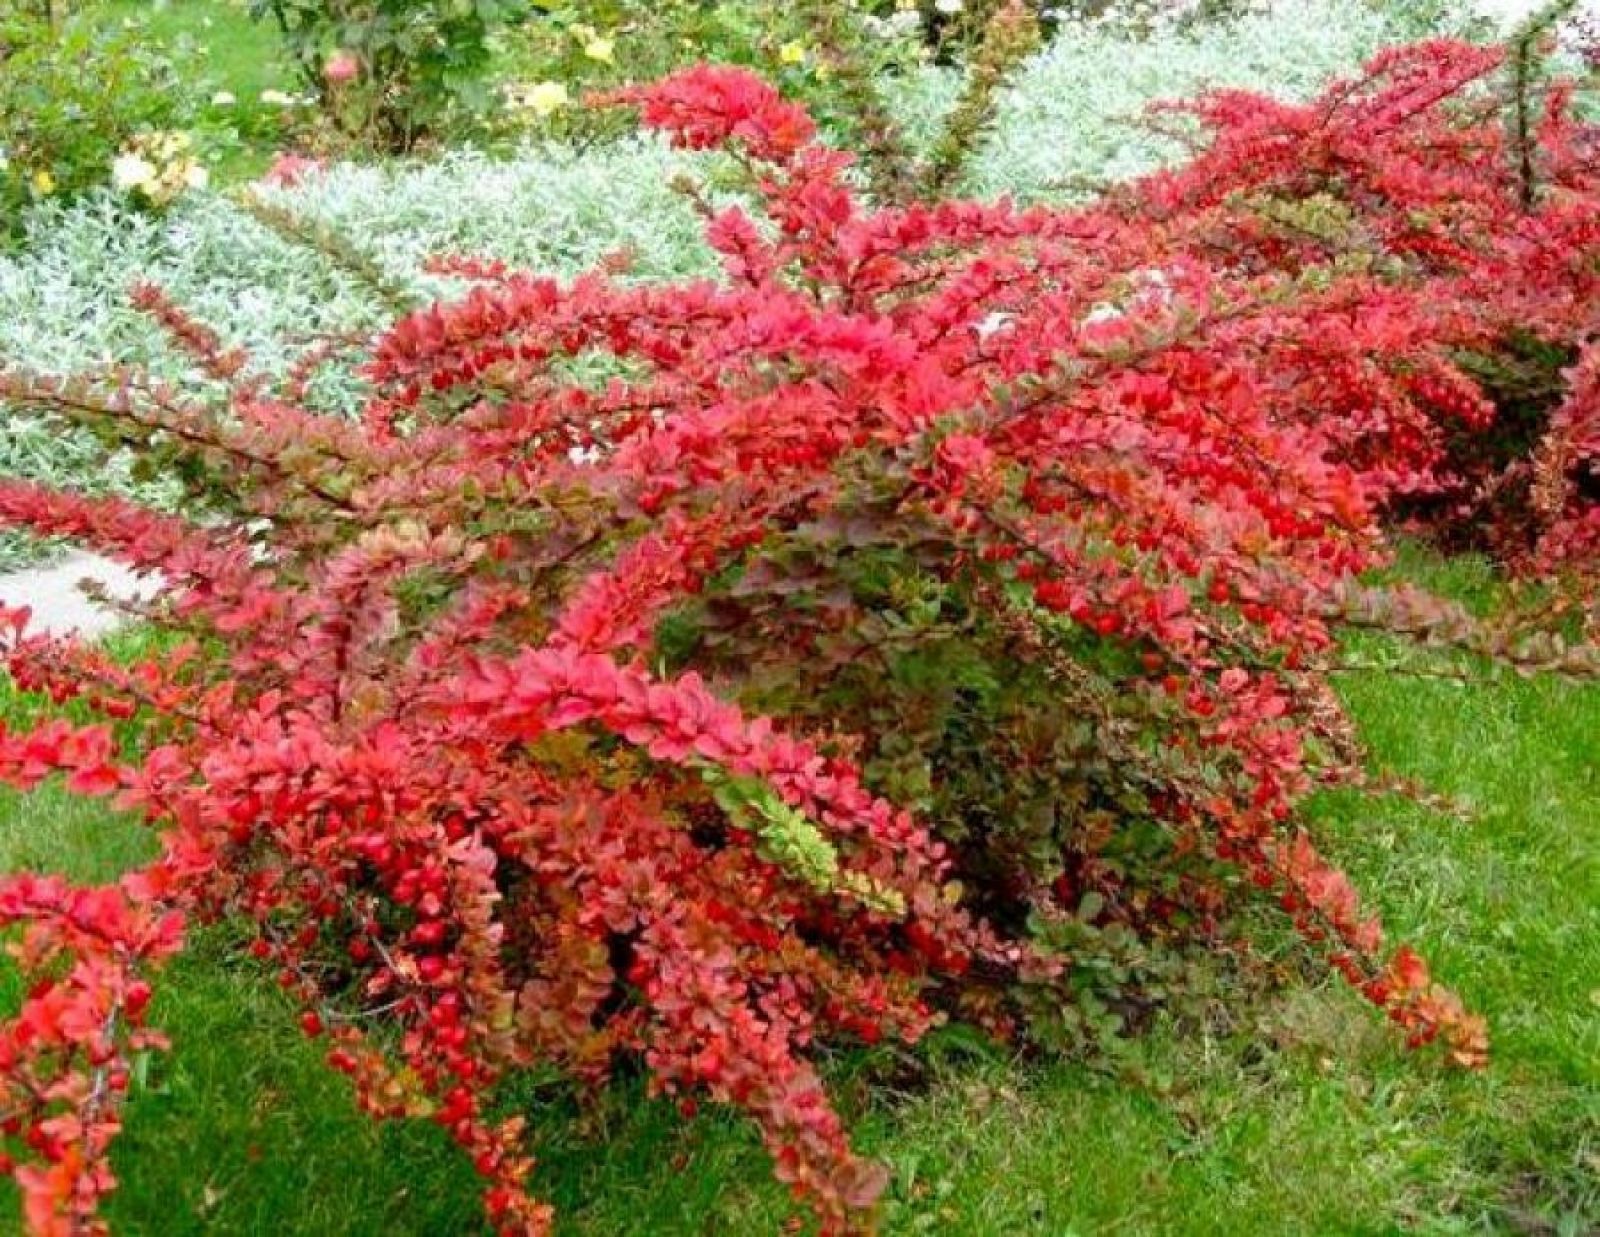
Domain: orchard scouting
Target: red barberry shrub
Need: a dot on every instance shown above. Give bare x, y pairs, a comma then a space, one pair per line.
1482, 237
946, 592
1565, 487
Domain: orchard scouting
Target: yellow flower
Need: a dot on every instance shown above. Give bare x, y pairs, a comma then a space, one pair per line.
792, 53
601, 49
44, 184
547, 98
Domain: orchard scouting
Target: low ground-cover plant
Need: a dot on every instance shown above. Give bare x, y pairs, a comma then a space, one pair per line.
1095, 83
535, 717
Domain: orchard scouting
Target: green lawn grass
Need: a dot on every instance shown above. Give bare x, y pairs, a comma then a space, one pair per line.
1304, 1116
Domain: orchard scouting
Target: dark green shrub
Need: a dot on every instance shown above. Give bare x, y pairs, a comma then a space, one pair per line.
392, 71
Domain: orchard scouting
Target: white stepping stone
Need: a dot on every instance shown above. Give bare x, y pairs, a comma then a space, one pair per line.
59, 605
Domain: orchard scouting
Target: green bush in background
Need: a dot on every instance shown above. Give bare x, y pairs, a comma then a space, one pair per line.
392, 71
73, 92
